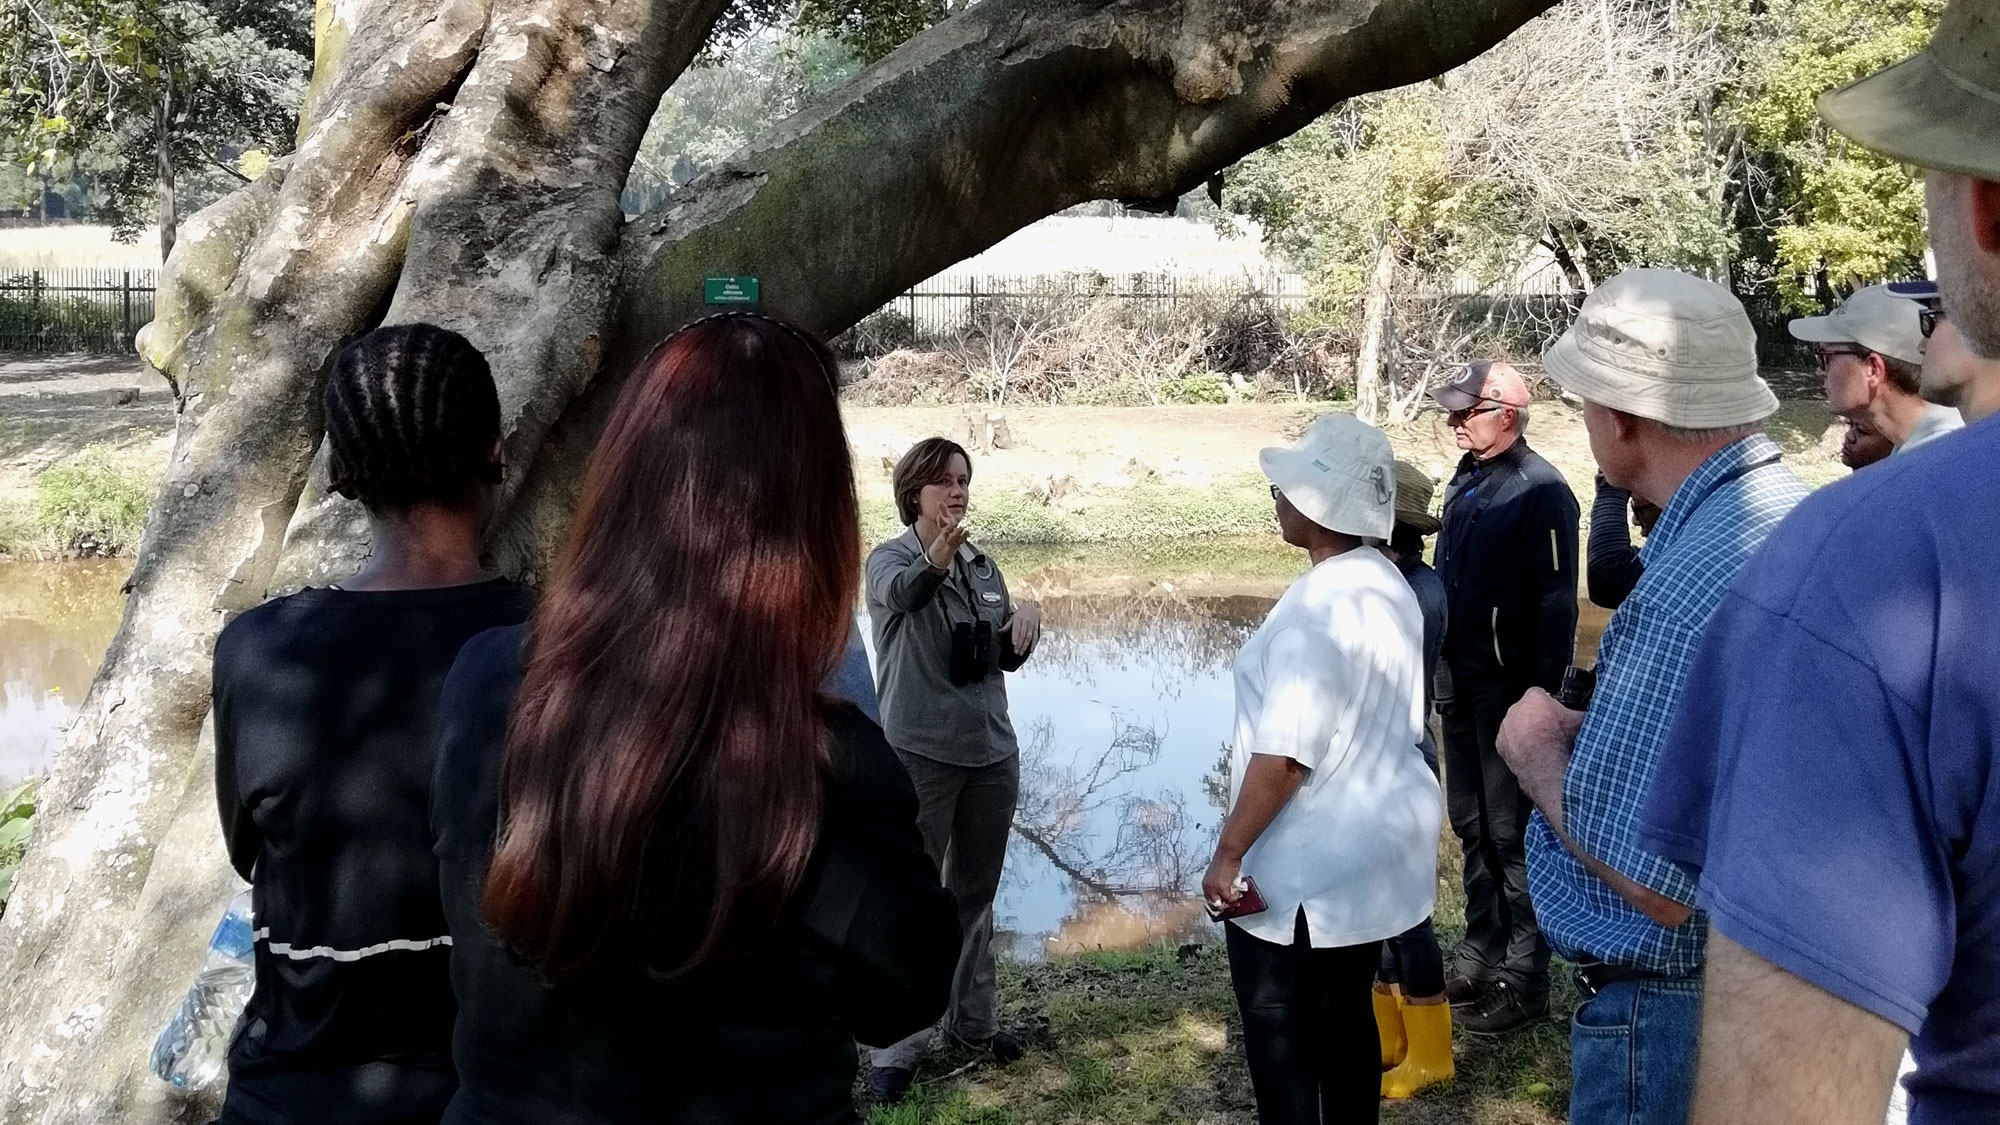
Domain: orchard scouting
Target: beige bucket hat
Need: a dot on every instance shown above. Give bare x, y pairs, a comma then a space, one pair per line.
1874, 318
1414, 489
1664, 345
1939, 108
1340, 475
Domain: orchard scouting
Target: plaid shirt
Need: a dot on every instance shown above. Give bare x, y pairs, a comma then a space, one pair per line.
1716, 520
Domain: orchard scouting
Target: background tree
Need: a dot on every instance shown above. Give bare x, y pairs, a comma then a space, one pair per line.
461, 162
149, 91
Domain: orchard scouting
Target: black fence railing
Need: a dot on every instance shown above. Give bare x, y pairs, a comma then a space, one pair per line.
73, 310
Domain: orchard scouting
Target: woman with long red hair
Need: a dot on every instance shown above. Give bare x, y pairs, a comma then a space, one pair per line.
680, 879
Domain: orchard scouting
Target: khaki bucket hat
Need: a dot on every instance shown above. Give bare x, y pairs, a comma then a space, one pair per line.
1340, 475
1939, 108
1414, 489
1664, 345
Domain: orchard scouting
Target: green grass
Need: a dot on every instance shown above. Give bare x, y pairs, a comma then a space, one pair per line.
92, 502
1234, 506
17, 812
1152, 1036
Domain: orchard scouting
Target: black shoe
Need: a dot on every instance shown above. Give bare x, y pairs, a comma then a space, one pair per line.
1003, 1046
888, 1085
1502, 1010
1464, 991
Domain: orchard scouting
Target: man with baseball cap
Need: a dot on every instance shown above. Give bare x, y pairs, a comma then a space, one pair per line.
1507, 554
1833, 771
1871, 349
1666, 366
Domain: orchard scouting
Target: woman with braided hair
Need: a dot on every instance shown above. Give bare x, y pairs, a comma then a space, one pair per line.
324, 708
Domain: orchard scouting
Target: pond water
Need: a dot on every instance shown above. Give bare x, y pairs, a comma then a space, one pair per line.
1123, 715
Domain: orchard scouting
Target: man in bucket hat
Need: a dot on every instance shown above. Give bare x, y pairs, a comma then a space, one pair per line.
1666, 366
1332, 813
1507, 554
1871, 349
1833, 771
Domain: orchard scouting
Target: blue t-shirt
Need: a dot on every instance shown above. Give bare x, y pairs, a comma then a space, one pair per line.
1831, 769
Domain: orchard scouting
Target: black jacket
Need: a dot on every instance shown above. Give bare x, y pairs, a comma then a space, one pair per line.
1507, 554
865, 951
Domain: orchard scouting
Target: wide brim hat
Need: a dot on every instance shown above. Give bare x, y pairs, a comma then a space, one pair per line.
1414, 489
1939, 108
1340, 474
1664, 345
1875, 318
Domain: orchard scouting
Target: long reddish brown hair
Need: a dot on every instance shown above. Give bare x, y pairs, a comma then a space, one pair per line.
667, 752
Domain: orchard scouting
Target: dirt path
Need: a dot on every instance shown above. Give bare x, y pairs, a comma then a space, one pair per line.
51, 407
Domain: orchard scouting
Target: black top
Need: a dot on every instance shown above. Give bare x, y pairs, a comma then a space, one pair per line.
1612, 567
866, 951
1507, 554
324, 705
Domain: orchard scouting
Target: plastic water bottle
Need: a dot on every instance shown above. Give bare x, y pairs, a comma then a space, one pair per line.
193, 1047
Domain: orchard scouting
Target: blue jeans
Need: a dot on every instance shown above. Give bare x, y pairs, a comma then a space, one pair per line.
1632, 1051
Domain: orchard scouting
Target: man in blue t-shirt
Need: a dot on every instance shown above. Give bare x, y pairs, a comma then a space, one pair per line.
1832, 771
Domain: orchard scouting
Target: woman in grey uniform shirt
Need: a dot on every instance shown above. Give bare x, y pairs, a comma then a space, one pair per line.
946, 631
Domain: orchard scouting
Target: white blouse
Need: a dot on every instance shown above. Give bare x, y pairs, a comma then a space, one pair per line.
1334, 681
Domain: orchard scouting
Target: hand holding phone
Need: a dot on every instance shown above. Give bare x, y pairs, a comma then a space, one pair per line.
1248, 901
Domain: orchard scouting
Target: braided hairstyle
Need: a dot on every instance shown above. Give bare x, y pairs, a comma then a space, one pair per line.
411, 417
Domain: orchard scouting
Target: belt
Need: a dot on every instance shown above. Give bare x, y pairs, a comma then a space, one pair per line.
1595, 976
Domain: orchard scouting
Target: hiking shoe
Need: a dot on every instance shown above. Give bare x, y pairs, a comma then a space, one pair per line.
1502, 1010
1464, 991
888, 1085
1004, 1046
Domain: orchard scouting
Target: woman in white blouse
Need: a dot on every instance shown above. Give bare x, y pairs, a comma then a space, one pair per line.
1333, 814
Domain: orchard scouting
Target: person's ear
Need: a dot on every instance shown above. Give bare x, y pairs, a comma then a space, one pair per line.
1878, 371
1983, 201
1625, 426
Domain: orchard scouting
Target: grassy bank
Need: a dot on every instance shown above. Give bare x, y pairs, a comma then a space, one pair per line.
1233, 506
1152, 1036
91, 503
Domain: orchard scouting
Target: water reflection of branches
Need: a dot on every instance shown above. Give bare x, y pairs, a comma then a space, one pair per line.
1176, 639
1061, 804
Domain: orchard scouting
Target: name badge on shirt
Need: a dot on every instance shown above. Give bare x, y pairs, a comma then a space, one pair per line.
991, 597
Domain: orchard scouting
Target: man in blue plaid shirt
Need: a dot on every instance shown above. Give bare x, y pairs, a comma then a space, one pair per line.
1666, 366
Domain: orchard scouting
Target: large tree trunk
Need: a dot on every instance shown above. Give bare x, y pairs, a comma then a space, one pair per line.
461, 162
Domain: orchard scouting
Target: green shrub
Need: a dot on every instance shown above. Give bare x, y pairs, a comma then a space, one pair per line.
17, 812
91, 503
1203, 388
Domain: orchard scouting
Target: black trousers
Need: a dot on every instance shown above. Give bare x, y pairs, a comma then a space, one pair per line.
1308, 1028
1411, 959
1489, 814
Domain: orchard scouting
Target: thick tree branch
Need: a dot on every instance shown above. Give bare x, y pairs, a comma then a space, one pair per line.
1005, 113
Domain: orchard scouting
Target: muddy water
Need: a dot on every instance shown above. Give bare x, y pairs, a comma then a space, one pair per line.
1123, 715
55, 621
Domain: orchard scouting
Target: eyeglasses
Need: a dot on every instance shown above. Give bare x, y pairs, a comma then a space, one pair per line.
1457, 416
1823, 357
1927, 320
1277, 493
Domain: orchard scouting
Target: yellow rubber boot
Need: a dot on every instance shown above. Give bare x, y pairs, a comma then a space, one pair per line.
1389, 1023
1428, 1027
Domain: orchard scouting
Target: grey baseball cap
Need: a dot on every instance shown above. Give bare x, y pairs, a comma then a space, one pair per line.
1875, 318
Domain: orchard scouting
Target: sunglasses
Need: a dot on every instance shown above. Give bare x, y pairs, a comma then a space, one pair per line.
1823, 357
1927, 320
1457, 416
1277, 493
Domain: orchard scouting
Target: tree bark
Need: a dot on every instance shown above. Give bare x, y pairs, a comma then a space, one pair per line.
461, 162
163, 139
1372, 388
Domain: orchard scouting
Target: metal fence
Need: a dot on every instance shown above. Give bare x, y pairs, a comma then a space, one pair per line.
73, 310
947, 302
